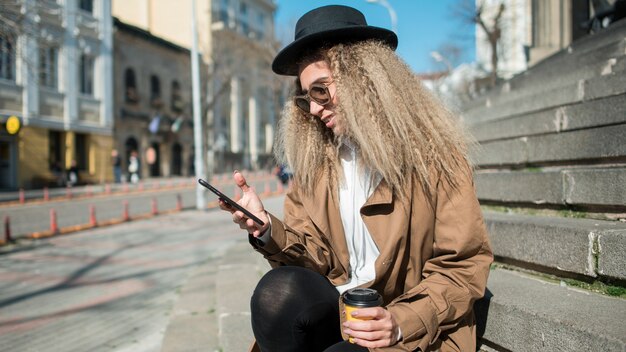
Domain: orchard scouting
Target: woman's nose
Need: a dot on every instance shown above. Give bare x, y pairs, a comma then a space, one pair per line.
315, 108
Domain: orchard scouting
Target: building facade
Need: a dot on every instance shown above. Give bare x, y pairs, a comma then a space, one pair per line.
56, 82
532, 30
236, 41
152, 81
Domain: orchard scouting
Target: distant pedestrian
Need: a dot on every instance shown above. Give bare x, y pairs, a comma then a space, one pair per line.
133, 167
116, 162
283, 172
72, 174
57, 171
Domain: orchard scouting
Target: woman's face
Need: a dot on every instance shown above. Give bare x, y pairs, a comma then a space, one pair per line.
319, 72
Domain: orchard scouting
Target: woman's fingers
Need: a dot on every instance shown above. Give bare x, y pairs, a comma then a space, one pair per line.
379, 331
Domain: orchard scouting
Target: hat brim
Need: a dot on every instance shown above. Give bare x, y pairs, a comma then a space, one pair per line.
287, 60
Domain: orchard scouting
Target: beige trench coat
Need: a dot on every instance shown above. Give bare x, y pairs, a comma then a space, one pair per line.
433, 264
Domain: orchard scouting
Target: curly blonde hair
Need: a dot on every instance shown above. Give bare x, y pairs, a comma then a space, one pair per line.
401, 129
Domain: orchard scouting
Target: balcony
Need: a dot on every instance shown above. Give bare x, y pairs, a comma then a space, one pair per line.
87, 24
51, 12
10, 96
88, 109
51, 103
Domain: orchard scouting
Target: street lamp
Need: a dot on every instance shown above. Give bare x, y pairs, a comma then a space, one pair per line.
392, 13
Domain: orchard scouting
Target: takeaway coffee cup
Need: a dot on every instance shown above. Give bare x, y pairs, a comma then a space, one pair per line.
358, 298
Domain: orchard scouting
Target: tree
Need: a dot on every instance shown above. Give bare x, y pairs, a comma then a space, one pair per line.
489, 21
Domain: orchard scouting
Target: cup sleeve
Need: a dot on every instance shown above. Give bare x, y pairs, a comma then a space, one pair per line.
342, 317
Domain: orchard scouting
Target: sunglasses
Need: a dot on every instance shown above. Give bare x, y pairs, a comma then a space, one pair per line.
318, 92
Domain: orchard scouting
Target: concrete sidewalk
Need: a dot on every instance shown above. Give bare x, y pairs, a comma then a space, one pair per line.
212, 312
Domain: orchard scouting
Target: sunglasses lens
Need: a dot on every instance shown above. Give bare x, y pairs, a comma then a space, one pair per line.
319, 94
303, 104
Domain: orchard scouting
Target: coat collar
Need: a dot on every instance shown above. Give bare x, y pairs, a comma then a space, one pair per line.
323, 208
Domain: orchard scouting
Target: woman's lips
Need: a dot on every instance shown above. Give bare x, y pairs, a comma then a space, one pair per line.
329, 121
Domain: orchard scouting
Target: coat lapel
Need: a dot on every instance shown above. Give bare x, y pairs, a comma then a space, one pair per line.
383, 220
323, 208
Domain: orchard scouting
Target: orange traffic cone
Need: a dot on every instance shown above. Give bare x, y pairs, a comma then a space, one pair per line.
92, 216
279, 189
179, 202
54, 227
7, 230
268, 190
125, 215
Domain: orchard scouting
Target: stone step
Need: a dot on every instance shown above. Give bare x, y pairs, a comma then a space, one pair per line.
598, 48
523, 313
575, 186
240, 270
571, 67
588, 114
586, 48
587, 247
538, 98
193, 321
574, 146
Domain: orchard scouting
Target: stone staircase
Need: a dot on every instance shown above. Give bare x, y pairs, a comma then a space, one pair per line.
551, 178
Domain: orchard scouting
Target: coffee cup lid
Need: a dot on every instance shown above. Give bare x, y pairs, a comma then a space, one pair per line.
362, 297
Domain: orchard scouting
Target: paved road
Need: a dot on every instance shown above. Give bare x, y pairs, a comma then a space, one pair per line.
35, 216
106, 289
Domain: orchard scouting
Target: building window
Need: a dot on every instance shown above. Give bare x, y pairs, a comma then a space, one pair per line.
7, 57
86, 5
243, 18
86, 74
49, 67
223, 16
155, 91
55, 143
132, 96
260, 25
177, 100
82, 151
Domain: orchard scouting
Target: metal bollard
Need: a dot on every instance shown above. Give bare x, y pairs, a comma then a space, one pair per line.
155, 210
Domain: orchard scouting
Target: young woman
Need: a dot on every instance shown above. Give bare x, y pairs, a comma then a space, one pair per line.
382, 198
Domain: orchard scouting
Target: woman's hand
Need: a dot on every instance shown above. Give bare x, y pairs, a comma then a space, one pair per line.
380, 331
251, 201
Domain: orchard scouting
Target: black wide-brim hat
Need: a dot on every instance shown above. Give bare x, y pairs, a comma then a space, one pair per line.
326, 26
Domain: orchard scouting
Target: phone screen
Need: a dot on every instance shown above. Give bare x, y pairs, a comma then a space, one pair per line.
230, 202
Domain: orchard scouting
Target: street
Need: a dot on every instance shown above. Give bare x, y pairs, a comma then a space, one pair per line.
109, 288
34, 216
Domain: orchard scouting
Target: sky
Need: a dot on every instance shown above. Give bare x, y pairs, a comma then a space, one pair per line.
423, 26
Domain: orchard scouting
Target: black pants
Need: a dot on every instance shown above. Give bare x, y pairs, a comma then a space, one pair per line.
296, 309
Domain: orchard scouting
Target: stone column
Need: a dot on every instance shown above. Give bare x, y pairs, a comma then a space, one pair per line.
104, 69
28, 60
235, 114
253, 120
69, 62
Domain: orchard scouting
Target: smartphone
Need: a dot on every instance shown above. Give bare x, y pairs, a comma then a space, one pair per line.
230, 202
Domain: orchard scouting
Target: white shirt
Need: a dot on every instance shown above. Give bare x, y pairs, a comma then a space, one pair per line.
357, 186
